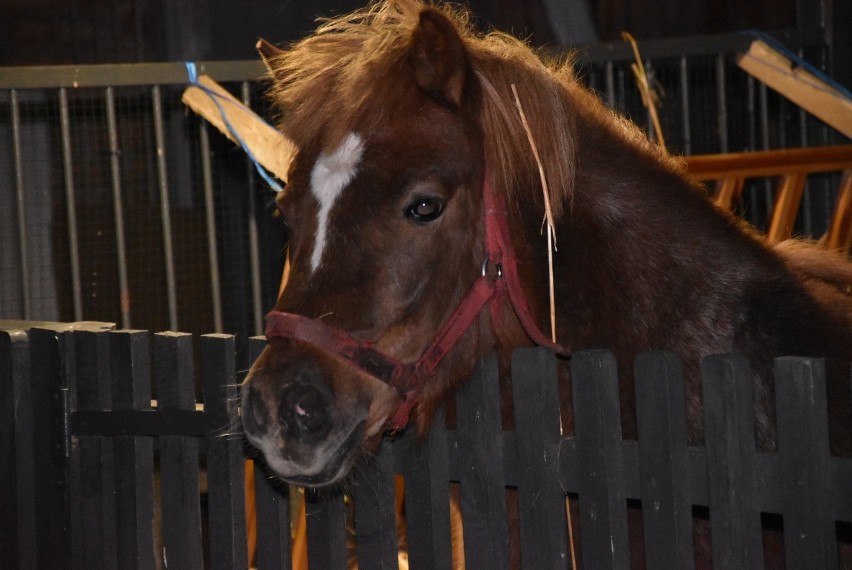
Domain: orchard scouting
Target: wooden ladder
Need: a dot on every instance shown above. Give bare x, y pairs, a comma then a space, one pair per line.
791, 167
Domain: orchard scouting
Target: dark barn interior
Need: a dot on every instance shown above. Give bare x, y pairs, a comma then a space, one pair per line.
72, 168
119, 205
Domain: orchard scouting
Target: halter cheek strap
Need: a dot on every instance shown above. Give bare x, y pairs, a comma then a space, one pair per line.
409, 378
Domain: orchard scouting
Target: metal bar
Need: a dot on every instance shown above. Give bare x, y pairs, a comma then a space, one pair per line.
751, 195
764, 144
750, 105
165, 210
71, 208
254, 250
610, 85
124, 74
722, 117
210, 218
26, 291
649, 117
149, 74
622, 92
806, 211
764, 117
684, 89
118, 210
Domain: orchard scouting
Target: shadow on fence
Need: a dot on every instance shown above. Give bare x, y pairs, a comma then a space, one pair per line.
91, 458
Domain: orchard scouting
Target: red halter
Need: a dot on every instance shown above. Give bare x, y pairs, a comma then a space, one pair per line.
409, 377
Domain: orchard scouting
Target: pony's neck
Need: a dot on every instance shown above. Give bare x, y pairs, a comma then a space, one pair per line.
627, 198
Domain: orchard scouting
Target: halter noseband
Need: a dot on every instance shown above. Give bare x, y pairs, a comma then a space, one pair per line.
410, 377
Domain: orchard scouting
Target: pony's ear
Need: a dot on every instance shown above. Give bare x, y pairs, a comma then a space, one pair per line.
438, 57
267, 52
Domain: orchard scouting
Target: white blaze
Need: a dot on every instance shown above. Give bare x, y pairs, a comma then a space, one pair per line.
331, 174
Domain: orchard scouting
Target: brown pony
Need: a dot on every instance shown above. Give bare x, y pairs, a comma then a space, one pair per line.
415, 186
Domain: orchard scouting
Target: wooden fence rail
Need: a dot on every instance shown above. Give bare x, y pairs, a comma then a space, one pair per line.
791, 167
125, 454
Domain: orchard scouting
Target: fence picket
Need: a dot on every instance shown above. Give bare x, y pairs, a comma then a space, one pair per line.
179, 455
225, 464
480, 455
326, 521
427, 496
50, 353
731, 457
541, 499
17, 491
272, 505
273, 522
800, 396
374, 501
93, 518
597, 426
134, 455
84, 495
664, 459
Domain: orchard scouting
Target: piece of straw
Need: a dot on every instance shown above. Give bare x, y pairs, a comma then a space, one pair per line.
548, 211
649, 98
551, 246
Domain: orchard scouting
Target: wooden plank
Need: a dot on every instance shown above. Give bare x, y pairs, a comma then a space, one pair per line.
179, 455
130, 367
788, 197
272, 500
664, 459
272, 504
480, 456
427, 496
92, 462
840, 231
731, 458
326, 519
17, 491
769, 163
225, 463
374, 499
597, 428
728, 191
798, 85
541, 499
51, 354
801, 403
268, 145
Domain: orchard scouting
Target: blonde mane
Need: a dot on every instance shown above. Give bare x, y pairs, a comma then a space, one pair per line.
328, 78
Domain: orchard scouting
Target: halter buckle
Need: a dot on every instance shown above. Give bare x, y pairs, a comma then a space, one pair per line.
497, 266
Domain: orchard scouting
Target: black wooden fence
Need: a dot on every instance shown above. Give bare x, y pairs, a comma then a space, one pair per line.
98, 475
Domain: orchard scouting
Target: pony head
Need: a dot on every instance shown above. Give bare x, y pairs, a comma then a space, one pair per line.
397, 112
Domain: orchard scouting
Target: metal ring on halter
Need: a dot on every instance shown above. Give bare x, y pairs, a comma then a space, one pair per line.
485, 263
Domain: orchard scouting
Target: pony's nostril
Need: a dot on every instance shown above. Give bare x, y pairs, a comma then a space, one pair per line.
304, 411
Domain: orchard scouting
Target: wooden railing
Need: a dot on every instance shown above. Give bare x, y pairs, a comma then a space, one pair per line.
791, 166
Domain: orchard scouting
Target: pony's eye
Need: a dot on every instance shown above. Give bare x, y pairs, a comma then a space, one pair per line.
425, 210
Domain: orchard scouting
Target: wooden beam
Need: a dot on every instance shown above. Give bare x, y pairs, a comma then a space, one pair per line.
769, 163
840, 233
787, 200
268, 145
799, 86
728, 191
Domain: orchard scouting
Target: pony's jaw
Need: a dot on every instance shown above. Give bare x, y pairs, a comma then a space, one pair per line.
311, 425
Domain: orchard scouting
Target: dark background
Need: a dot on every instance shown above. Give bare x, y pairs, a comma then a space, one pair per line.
34, 32
47, 32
